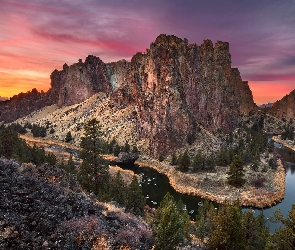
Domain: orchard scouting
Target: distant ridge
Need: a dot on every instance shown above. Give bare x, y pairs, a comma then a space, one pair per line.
3, 99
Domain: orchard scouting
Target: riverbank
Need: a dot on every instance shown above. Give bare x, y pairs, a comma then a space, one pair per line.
214, 187
211, 186
286, 143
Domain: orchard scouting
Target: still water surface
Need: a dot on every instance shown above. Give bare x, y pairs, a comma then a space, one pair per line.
155, 186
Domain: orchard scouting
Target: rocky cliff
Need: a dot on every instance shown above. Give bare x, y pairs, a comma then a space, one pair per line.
174, 89
284, 108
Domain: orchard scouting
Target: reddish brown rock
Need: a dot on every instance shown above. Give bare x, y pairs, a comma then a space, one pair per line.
175, 87
284, 108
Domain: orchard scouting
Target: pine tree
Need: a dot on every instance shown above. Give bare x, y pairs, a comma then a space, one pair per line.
229, 231
126, 147
170, 224
257, 231
118, 189
68, 137
236, 172
70, 167
94, 172
284, 236
184, 162
135, 199
174, 160
198, 162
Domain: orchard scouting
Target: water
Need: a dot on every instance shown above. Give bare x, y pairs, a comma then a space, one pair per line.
155, 186
288, 157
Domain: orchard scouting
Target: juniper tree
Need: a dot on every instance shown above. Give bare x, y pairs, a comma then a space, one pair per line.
236, 172
135, 199
229, 231
118, 189
94, 172
170, 224
68, 137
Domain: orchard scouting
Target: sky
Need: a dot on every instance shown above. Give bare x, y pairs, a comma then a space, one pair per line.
38, 36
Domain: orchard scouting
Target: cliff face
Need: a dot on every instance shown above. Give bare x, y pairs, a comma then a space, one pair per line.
174, 87
284, 108
24, 103
78, 82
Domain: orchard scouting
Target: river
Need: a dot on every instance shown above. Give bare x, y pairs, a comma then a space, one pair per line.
155, 186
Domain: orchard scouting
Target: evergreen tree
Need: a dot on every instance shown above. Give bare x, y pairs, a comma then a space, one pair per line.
203, 220
126, 147
284, 236
8, 142
135, 150
118, 189
135, 199
51, 159
198, 162
257, 231
70, 167
229, 231
94, 172
222, 158
173, 160
184, 162
236, 172
112, 146
68, 137
170, 224
117, 150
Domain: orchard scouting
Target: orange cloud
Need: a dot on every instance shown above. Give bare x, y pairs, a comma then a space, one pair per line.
14, 84
265, 91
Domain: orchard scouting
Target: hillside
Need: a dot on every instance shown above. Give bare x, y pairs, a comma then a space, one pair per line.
162, 98
44, 208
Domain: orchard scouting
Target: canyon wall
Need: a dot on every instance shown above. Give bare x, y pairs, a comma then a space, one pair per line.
174, 87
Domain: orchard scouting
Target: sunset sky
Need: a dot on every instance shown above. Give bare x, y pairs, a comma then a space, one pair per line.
38, 36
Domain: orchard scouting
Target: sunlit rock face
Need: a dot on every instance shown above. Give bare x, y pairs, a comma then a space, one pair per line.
284, 108
79, 81
174, 88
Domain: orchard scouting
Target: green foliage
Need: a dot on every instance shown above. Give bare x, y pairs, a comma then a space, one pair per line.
135, 199
161, 158
70, 166
170, 224
223, 157
8, 142
117, 150
94, 172
236, 172
198, 162
184, 162
135, 150
118, 189
68, 137
284, 236
204, 219
257, 231
38, 131
174, 160
126, 147
288, 133
16, 127
229, 231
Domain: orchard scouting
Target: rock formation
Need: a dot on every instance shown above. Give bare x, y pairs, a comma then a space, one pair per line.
174, 88
284, 108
